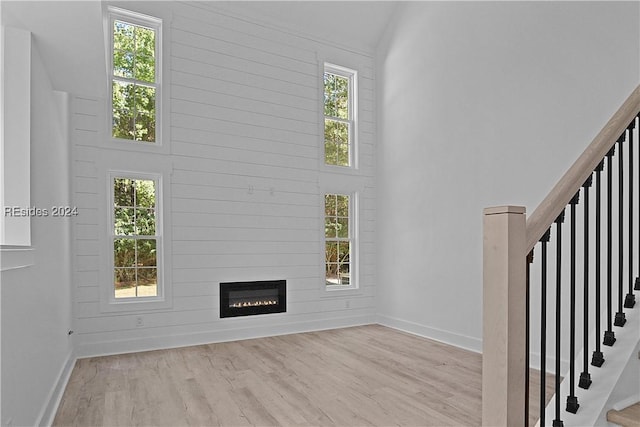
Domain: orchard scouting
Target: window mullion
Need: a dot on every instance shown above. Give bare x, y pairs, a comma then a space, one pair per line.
135, 81
337, 119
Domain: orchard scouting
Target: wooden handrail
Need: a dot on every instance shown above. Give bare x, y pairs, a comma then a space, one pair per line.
549, 209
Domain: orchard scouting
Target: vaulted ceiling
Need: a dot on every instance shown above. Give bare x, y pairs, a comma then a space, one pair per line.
69, 35
354, 23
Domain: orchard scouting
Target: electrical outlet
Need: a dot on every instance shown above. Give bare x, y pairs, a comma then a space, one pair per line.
139, 321
347, 304
9, 422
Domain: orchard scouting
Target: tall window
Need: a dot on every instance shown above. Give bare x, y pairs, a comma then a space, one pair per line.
339, 116
136, 237
135, 76
339, 240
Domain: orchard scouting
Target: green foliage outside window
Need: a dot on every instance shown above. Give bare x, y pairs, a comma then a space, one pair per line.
134, 256
133, 86
337, 115
337, 238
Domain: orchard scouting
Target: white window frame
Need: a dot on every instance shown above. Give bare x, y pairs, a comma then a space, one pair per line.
352, 76
161, 299
354, 282
141, 20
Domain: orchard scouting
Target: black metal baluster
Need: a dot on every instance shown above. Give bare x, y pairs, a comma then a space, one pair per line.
557, 422
630, 298
598, 358
620, 318
585, 377
543, 328
572, 400
637, 286
527, 358
609, 335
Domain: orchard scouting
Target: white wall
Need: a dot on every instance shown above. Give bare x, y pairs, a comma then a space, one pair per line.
36, 300
481, 104
246, 178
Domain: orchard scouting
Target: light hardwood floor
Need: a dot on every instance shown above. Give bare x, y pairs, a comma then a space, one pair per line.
367, 375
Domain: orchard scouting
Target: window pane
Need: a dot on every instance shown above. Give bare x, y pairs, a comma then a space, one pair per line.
123, 192
145, 193
145, 222
342, 205
331, 153
336, 137
123, 221
146, 253
342, 227
147, 282
123, 110
344, 273
343, 252
330, 205
123, 63
145, 41
123, 36
332, 274
145, 118
331, 252
124, 253
124, 282
341, 94
336, 96
329, 96
135, 258
343, 155
145, 67
335, 131
330, 227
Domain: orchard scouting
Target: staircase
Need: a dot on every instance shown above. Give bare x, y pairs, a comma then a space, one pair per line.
625, 406
627, 417
560, 289
615, 384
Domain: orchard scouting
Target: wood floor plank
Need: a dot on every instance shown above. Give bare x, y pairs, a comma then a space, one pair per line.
360, 376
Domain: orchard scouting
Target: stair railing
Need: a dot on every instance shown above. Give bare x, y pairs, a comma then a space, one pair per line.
508, 253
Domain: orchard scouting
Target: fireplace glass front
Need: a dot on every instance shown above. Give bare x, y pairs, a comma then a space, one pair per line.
251, 298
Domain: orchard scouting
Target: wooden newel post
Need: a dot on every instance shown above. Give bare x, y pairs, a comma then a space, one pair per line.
503, 304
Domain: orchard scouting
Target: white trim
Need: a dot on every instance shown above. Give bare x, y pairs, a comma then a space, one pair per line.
447, 337
163, 300
354, 239
141, 20
49, 410
352, 75
131, 345
12, 258
625, 403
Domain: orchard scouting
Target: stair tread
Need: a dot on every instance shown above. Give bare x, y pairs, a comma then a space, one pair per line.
627, 417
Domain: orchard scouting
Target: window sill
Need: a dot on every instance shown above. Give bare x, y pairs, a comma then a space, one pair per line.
16, 257
340, 292
134, 146
135, 306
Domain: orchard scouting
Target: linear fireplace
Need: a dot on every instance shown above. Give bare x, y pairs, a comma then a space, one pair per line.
250, 298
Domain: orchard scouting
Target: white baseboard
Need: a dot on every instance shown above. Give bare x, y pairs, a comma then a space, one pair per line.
623, 404
457, 340
106, 348
48, 412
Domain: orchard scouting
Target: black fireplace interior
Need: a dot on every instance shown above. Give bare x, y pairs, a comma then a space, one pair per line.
250, 298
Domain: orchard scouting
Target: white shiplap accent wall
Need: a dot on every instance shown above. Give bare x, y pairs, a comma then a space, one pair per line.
247, 181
